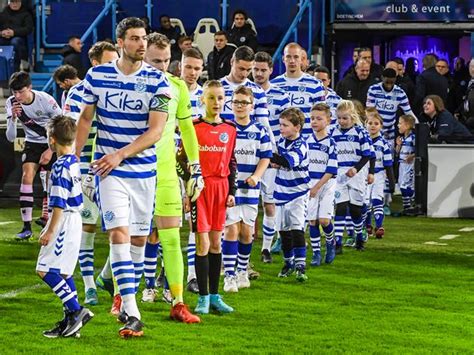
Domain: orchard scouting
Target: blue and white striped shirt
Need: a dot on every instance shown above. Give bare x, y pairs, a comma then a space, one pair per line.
387, 104
278, 101
351, 145
72, 108
304, 92
383, 154
408, 147
252, 145
322, 157
293, 182
333, 99
65, 189
123, 107
196, 105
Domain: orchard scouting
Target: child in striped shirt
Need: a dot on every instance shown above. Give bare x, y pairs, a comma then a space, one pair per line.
253, 151
291, 192
61, 237
405, 148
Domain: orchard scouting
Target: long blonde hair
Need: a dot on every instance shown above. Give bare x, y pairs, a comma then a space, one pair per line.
346, 105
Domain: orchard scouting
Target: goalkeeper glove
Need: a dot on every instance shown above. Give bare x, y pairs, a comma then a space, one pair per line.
195, 183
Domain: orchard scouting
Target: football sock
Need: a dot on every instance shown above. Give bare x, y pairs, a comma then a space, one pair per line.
106, 272
61, 288
202, 274
378, 212
191, 256
243, 257
138, 257
151, 258
173, 261
215, 261
315, 237
407, 195
44, 182
86, 259
339, 222
349, 226
26, 204
329, 232
72, 286
44, 210
365, 212
124, 273
229, 256
299, 247
287, 248
268, 231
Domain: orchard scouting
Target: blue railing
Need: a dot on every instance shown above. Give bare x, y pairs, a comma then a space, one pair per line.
91, 30
304, 5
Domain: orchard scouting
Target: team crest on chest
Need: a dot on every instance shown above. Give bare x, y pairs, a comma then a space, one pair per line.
324, 148
269, 101
140, 85
302, 88
252, 135
224, 137
350, 138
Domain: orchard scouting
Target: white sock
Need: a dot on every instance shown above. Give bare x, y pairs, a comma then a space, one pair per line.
106, 272
268, 232
86, 259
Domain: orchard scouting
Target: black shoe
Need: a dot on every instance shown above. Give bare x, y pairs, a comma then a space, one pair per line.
286, 271
338, 249
122, 317
266, 256
41, 222
58, 329
192, 286
133, 328
359, 245
160, 280
76, 321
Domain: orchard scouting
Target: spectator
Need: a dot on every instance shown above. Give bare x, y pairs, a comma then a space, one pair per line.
403, 81
430, 82
376, 70
461, 80
218, 61
169, 31
242, 33
305, 61
411, 68
465, 111
443, 125
184, 42
355, 57
72, 56
355, 85
146, 21
16, 23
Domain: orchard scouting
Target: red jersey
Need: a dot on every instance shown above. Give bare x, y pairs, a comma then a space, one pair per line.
216, 148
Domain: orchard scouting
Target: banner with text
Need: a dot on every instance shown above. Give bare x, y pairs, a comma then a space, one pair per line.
403, 10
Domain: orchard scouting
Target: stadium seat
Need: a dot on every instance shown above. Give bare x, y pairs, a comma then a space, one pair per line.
7, 55
204, 35
176, 22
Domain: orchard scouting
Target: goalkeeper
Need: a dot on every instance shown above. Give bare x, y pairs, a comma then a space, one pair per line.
168, 204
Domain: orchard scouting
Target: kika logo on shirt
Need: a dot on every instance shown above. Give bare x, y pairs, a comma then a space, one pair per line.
212, 148
121, 101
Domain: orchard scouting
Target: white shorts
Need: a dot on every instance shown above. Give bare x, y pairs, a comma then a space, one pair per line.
125, 202
90, 212
245, 213
352, 190
406, 176
375, 191
292, 215
322, 205
268, 185
61, 254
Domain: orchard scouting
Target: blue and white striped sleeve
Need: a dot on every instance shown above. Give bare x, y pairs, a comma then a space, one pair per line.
387, 155
331, 167
296, 155
61, 186
265, 145
88, 96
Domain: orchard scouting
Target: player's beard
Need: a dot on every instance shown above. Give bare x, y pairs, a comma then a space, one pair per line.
135, 57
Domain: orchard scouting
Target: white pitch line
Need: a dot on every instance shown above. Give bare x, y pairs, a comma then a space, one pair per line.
449, 236
467, 229
435, 243
19, 291
6, 222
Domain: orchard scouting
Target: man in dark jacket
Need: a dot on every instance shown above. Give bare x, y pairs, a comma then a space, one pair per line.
16, 23
430, 82
241, 33
173, 33
355, 85
72, 56
218, 61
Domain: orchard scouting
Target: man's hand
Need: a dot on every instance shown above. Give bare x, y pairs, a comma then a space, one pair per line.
88, 187
45, 236
230, 201
252, 180
45, 157
186, 204
314, 191
195, 183
106, 164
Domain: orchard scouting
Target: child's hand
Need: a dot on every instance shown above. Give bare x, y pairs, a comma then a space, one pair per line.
398, 141
252, 180
370, 179
351, 172
230, 201
16, 110
410, 158
45, 237
314, 191
273, 165
186, 204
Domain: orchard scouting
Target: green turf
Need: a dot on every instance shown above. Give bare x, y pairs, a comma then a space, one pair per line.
398, 296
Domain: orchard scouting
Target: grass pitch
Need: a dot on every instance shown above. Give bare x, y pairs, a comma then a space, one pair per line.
399, 296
